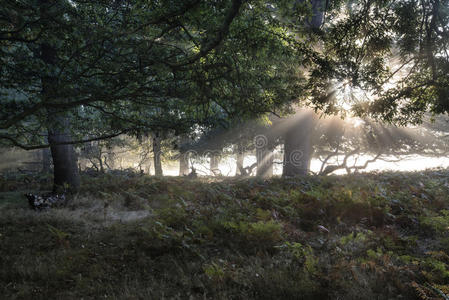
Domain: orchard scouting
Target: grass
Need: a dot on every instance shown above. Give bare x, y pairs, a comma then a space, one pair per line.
366, 236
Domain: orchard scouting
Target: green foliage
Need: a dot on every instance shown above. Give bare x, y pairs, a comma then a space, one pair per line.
438, 223
235, 239
262, 232
172, 67
304, 254
360, 44
214, 272
353, 238
172, 216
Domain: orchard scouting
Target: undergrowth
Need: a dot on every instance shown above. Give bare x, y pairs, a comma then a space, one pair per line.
366, 236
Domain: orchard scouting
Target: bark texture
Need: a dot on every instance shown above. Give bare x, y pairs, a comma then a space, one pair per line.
298, 148
264, 162
46, 160
65, 168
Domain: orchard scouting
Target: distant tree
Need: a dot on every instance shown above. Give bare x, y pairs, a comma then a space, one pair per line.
184, 157
386, 61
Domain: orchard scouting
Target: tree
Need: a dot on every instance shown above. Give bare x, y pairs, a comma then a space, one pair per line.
156, 141
103, 69
298, 147
387, 59
297, 132
184, 157
84, 71
46, 160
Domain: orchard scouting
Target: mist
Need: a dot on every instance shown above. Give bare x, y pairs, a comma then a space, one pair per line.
342, 145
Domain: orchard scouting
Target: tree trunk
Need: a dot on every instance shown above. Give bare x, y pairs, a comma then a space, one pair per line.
239, 161
318, 8
184, 168
100, 162
110, 157
65, 168
157, 154
213, 164
46, 160
264, 158
298, 146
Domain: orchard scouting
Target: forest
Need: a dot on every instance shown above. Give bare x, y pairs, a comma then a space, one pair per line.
224, 149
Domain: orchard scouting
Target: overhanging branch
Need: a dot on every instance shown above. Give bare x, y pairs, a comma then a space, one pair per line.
16, 143
223, 31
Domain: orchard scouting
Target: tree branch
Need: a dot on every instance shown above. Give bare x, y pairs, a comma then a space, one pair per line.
223, 31
14, 142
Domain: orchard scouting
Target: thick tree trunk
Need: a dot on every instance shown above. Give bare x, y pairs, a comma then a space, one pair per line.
298, 147
65, 168
46, 160
184, 168
157, 154
264, 158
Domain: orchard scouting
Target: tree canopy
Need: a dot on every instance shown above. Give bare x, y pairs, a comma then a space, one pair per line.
387, 59
130, 66
75, 71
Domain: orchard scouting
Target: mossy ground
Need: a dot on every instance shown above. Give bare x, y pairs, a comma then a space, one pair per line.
366, 236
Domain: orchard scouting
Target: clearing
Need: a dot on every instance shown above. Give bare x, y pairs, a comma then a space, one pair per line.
365, 236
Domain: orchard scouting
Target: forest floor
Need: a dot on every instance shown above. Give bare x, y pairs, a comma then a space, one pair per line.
366, 236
